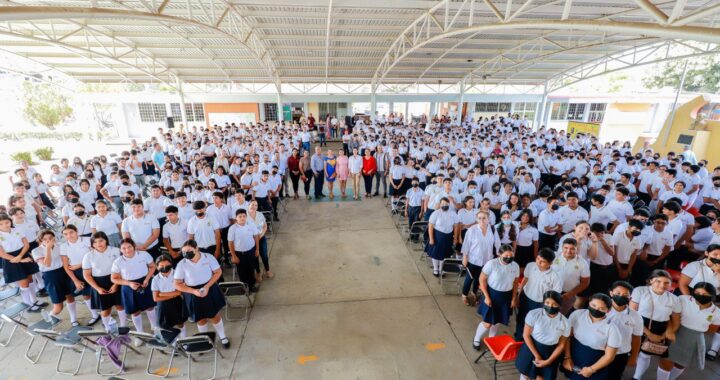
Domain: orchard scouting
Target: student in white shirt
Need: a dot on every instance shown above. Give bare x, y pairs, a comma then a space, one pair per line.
595, 340
627, 245
96, 267
106, 221
414, 204
171, 311
549, 224
144, 230
498, 284
705, 270
477, 250
660, 310
205, 231
538, 277
57, 283
18, 265
196, 276
575, 274
442, 234
630, 324
133, 272
545, 335
174, 234
698, 316
244, 242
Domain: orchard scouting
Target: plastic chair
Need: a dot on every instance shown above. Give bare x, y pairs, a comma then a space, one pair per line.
452, 268
92, 337
233, 293
503, 349
9, 315
196, 345
165, 344
66, 340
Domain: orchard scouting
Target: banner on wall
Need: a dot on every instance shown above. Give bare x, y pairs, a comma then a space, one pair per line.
220, 118
575, 127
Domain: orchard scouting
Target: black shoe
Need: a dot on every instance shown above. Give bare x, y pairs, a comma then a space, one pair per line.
41, 293
34, 309
711, 355
225, 343
93, 321
375, 194
254, 289
275, 218
436, 274
476, 346
41, 304
384, 195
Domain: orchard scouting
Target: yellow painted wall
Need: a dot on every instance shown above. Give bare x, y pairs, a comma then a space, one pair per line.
624, 121
313, 108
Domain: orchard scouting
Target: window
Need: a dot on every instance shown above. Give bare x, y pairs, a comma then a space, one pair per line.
152, 112
195, 112
525, 110
336, 109
493, 107
270, 111
576, 111
559, 111
597, 112
175, 111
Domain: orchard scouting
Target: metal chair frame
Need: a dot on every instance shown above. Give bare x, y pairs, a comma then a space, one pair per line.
232, 291
208, 338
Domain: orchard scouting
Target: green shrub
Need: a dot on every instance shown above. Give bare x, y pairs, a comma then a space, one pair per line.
22, 156
44, 154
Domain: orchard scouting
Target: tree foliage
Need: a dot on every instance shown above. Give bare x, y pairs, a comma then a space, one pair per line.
44, 105
703, 75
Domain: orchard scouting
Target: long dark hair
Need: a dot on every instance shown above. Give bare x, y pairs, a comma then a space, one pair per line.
512, 234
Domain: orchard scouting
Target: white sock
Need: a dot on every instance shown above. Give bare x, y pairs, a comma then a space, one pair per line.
715, 342
220, 329
152, 316
52, 314
106, 322
183, 332
33, 287
92, 311
643, 362
676, 372
493, 330
72, 310
38, 278
481, 330
662, 374
28, 296
122, 318
137, 322
437, 264
202, 328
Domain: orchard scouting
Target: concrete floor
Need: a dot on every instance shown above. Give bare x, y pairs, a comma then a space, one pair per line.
349, 301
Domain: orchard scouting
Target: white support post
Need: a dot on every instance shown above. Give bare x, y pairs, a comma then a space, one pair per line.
373, 104
279, 108
433, 110
183, 114
540, 116
461, 97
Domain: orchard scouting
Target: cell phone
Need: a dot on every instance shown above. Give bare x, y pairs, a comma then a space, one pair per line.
576, 369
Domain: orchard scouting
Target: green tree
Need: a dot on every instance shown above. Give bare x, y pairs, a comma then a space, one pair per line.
44, 105
703, 75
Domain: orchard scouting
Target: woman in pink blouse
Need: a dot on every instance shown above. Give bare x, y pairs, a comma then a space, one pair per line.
342, 171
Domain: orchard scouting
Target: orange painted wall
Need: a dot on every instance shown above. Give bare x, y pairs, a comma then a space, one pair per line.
232, 108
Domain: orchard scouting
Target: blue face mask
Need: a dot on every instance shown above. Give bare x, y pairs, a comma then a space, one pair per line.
506, 222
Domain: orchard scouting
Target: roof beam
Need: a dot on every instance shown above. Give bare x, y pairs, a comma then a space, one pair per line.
327, 39
697, 15
653, 11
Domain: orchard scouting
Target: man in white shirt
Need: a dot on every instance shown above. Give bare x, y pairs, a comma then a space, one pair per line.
549, 224
174, 233
355, 165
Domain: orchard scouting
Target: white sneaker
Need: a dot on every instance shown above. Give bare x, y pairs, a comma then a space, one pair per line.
137, 342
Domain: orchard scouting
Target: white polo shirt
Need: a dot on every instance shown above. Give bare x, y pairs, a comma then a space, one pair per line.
625, 247
39, 253
100, 263
501, 277
107, 224
548, 219
243, 237
478, 247
222, 214
132, 268
698, 271
602, 215
176, 232
630, 324
162, 283
539, 282
694, 318
571, 271
194, 274
140, 229
654, 306
75, 252
597, 335
527, 236
156, 206
203, 230
570, 217
547, 330
443, 221
657, 241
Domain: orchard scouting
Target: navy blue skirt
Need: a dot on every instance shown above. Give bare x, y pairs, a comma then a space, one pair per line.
204, 307
57, 285
500, 311
443, 246
104, 301
86, 291
171, 313
13, 272
584, 356
525, 358
136, 300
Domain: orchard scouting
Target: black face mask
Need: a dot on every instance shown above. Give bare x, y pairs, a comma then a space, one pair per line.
496, 189
552, 310
507, 260
714, 260
415, 184
125, 183
80, 213
73, 200
595, 313
702, 299
274, 172
445, 207
555, 207
620, 300
717, 184
635, 233
200, 214
165, 269
171, 196
188, 255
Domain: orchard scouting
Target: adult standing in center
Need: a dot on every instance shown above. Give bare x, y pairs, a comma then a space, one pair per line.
368, 171
355, 163
317, 165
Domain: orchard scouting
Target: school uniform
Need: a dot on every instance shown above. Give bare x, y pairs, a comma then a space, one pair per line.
531, 297
551, 219
109, 225
630, 324
571, 272
655, 310
196, 275
546, 335
134, 269
57, 282
171, 312
479, 250
689, 344
397, 173
589, 341
525, 247
12, 244
82, 224
602, 267
501, 278
414, 201
443, 223
75, 252
203, 230
699, 271
140, 230
177, 234
100, 265
243, 239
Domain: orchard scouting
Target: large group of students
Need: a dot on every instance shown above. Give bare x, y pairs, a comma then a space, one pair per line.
606, 257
